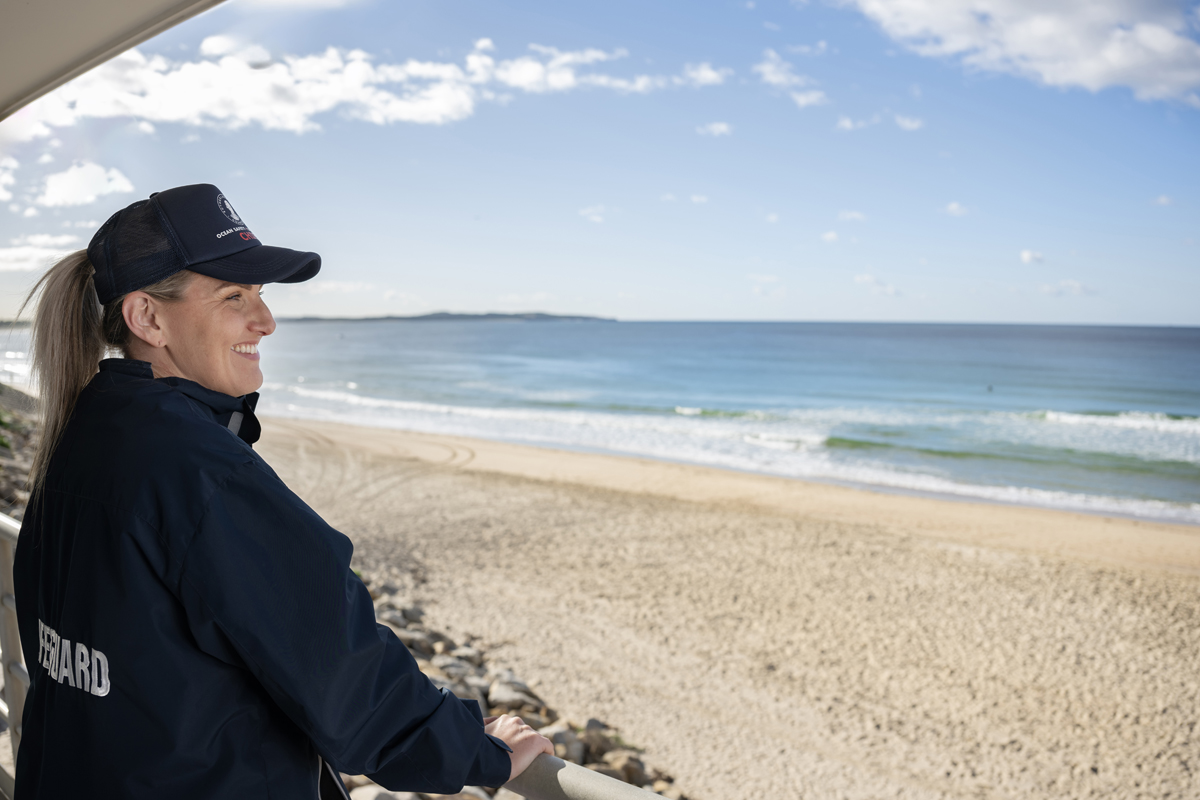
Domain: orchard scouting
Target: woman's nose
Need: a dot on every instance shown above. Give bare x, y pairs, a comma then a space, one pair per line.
264, 321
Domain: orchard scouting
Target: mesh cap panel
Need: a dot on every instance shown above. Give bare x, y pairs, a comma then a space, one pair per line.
135, 239
142, 246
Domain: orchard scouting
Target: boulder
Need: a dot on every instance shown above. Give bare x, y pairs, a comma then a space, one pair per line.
394, 617
433, 673
629, 765
597, 743
467, 692
506, 695
509, 677
415, 640
468, 654
456, 668
605, 769
478, 682
560, 732
571, 751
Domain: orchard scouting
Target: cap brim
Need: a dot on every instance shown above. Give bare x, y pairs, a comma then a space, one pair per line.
262, 264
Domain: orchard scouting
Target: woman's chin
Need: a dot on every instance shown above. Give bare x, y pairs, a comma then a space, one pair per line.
247, 379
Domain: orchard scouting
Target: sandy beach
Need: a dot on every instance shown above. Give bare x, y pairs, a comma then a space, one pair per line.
769, 638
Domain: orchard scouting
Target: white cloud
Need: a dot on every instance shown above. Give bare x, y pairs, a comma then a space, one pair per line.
145, 127
60, 241
218, 46
82, 183
909, 123
848, 124
1030, 256
1149, 47
592, 213
852, 216
45, 158
1161, 200
771, 26
774, 71
829, 236
667, 198
34, 252
550, 70
812, 97
699, 198
715, 129
1066, 287
818, 49
876, 286
703, 74
8, 165
233, 85
956, 209
772, 218
30, 212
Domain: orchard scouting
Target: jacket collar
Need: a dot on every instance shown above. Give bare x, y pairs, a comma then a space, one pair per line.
234, 413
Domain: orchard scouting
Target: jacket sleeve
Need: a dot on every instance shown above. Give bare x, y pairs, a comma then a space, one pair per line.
268, 578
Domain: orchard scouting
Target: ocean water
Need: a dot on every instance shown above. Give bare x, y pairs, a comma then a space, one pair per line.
1087, 418
1099, 419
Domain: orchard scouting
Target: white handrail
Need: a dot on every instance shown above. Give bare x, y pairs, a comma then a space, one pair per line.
551, 778
16, 678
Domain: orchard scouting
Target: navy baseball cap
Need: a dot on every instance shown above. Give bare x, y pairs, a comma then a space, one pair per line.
188, 227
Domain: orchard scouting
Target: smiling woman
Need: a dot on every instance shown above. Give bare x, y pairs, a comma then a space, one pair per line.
198, 630
208, 334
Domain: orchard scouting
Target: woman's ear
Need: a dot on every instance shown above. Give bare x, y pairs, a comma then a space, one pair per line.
143, 318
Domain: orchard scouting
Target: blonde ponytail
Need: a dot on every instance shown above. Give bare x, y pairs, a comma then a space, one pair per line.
66, 345
71, 333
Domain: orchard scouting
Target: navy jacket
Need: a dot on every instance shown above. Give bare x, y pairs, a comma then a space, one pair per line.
192, 629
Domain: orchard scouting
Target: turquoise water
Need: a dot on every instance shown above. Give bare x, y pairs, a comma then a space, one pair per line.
1087, 418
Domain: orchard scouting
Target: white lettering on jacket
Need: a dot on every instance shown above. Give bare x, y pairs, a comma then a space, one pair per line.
74, 664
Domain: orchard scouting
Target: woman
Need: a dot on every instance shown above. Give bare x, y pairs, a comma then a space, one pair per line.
197, 629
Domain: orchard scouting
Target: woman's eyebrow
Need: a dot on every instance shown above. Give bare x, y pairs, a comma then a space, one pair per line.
225, 286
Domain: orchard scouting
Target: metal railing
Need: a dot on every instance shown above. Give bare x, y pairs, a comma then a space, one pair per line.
16, 678
548, 778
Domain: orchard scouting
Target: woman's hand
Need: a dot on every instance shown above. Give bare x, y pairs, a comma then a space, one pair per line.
526, 743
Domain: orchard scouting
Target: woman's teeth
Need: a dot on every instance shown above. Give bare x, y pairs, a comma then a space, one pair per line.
249, 349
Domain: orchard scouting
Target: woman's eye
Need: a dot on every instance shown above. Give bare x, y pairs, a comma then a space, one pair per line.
235, 296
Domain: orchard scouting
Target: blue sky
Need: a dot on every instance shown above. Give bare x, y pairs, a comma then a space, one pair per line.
931, 160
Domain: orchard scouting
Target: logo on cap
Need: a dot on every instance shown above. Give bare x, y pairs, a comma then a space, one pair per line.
227, 209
